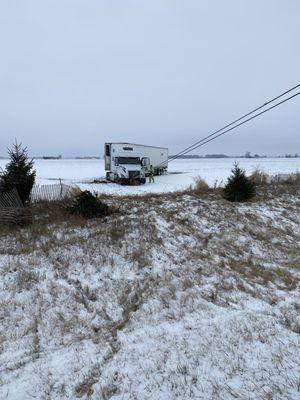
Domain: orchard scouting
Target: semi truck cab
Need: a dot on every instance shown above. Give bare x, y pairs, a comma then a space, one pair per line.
127, 163
129, 170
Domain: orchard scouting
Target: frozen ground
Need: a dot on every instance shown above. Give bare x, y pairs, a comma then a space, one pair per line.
178, 297
182, 173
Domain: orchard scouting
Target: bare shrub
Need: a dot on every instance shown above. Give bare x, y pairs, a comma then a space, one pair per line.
288, 179
292, 179
75, 191
201, 186
218, 185
259, 177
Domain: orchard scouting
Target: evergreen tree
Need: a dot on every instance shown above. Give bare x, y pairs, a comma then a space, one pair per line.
18, 173
88, 206
238, 187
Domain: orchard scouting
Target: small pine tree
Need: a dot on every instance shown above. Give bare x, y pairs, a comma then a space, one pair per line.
18, 173
238, 187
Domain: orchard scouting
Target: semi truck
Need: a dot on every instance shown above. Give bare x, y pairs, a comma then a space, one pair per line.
128, 163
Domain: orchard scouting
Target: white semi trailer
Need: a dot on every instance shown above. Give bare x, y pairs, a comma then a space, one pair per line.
130, 163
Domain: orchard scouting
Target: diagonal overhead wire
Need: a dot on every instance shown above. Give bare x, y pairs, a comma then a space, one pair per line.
241, 123
219, 132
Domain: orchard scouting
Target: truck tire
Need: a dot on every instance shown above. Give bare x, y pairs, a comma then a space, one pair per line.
143, 181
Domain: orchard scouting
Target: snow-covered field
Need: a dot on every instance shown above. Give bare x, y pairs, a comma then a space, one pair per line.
178, 297
182, 173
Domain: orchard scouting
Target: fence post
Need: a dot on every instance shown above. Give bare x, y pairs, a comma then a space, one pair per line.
61, 189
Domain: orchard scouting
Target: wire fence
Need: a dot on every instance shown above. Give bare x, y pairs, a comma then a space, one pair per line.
12, 210
49, 192
10, 199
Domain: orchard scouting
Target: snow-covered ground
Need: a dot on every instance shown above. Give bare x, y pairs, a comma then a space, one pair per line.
182, 173
177, 297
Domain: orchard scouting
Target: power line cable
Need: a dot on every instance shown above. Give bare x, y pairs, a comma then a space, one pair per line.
209, 138
190, 148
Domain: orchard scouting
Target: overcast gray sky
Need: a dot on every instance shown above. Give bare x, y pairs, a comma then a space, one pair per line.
77, 73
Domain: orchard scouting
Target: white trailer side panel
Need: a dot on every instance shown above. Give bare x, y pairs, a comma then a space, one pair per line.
158, 155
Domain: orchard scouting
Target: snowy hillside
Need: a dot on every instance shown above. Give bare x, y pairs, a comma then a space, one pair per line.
175, 297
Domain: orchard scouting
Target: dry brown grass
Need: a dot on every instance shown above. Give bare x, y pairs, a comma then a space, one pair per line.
258, 274
293, 179
201, 186
140, 256
259, 177
6, 229
58, 228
